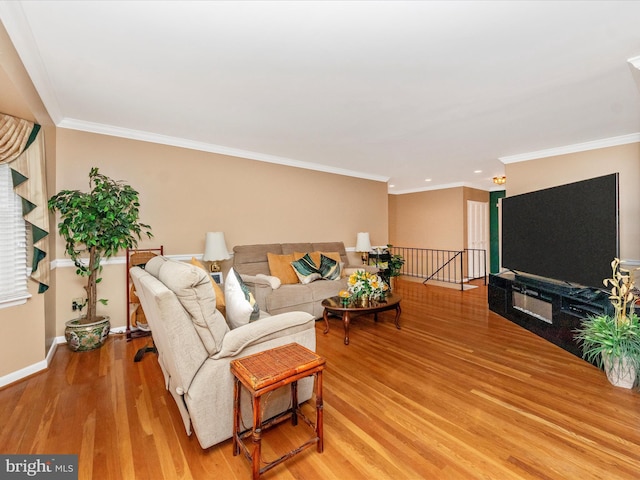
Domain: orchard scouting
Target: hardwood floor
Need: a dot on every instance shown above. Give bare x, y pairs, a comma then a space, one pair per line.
458, 392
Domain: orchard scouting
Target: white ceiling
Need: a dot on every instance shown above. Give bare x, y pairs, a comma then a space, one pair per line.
397, 91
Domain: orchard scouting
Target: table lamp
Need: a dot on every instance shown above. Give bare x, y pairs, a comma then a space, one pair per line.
215, 249
363, 245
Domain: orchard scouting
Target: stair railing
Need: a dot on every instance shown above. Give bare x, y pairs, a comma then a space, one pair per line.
449, 266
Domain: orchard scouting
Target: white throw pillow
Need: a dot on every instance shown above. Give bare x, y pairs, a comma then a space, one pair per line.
241, 307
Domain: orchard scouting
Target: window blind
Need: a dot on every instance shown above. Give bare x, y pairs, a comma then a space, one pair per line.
13, 244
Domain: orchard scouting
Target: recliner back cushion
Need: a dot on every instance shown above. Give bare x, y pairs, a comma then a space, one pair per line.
193, 288
154, 264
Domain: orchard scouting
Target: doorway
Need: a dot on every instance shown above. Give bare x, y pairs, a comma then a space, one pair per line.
477, 238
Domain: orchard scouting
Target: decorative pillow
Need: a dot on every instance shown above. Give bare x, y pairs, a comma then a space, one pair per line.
333, 255
191, 286
317, 256
241, 306
306, 270
329, 268
280, 266
220, 303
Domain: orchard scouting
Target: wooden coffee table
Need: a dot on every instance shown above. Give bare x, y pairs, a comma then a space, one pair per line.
337, 306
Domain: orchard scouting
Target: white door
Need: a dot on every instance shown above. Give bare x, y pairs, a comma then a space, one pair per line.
477, 237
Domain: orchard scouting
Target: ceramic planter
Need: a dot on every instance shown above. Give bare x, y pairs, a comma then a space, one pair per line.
620, 371
82, 336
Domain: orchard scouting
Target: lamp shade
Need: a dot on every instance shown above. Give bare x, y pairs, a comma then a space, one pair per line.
363, 244
215, 247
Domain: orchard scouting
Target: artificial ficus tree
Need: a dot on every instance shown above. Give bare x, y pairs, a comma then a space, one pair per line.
98, 224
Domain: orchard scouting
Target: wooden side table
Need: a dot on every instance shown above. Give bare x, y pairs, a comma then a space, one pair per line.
262, 373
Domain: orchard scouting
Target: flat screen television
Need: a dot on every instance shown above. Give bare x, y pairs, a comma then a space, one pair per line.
568, 233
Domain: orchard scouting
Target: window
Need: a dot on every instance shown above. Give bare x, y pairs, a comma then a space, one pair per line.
13, 244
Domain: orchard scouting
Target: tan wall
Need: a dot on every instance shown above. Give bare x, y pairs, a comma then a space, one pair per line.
432, 219
22, 334
542, 173
50, 296
26, 331
185, 193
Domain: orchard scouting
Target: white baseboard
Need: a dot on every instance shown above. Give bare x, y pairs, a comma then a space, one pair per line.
23, 373
44, 364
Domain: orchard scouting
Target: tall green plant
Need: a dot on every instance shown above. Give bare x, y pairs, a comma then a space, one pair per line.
98, 223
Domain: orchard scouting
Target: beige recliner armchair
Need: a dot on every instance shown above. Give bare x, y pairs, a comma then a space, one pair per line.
195, 346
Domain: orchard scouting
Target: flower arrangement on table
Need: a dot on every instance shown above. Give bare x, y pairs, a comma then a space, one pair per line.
366, 284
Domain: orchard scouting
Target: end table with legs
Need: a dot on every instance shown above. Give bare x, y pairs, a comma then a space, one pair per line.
262, 373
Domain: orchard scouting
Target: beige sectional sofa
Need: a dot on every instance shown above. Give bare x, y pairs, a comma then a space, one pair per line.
195, 346
275, 296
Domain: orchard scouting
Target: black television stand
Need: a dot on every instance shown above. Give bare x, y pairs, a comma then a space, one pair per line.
549, 309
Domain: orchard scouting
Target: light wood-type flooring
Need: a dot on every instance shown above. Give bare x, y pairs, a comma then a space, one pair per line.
458, 393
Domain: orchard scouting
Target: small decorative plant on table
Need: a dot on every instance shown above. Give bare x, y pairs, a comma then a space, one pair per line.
613, 342
96, 224
365, 286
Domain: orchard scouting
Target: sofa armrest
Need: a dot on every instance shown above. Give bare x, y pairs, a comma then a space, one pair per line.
255, 280
275, 282
263, 330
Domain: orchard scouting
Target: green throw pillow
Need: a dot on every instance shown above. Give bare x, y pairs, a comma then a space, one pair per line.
306, 270
329, 268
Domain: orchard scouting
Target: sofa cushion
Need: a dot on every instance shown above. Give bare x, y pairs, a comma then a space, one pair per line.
316, 256
325, 289
241, 306
337, 247
220, 302
280, 266
193, 288
289, 297
297, 247
252, 259
306, 270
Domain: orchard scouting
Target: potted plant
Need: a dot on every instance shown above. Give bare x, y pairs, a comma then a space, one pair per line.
96, 224
395, 265
613, 342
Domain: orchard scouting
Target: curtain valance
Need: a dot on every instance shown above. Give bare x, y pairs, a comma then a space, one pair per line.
22, 147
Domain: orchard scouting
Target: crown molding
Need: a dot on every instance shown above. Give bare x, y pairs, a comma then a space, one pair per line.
575, 148
113, 131
447, 185
444, 186
19, 30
